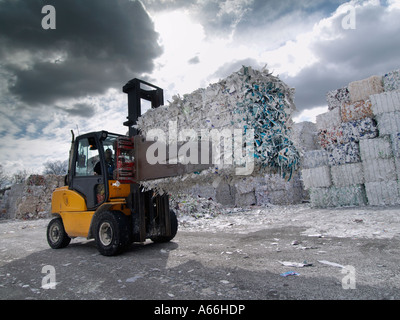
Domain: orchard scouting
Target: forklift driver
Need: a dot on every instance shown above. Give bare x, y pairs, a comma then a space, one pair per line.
109, 164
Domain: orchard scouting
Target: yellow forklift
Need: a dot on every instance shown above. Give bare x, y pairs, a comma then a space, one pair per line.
102, 197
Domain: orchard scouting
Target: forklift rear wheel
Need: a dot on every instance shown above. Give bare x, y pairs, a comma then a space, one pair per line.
174, 230
111, 232
56, 235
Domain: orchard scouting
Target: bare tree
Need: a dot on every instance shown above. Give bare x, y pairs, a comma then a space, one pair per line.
57, 167
20, 176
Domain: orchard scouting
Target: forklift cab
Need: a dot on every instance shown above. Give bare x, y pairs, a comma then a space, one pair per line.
92, 166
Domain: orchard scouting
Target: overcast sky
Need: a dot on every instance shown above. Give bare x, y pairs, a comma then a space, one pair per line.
71, 77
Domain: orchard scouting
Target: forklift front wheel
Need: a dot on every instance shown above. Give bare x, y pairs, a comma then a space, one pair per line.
111, 232
56, 235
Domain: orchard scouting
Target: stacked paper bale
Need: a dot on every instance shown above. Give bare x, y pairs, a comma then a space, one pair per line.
247, 99
359, 137
382, 165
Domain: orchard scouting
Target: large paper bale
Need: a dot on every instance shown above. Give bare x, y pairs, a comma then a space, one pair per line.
330, 119
391, 81
379, 170
361, 90
378, 148
356, 110
316, 177
385, 102
388, 123
344, 153
382, 193
329, 138
347, 175
336, 98
357, 130
338, 196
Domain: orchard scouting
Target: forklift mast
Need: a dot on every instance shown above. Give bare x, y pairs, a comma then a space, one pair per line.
135, 94
151, 213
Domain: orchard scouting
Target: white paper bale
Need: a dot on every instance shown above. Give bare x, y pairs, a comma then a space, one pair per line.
382, 193
317, 177
385, 102
378, 148
347, 175
388, 122
391, 81
329, 119
361, 90
338, 196
377, 170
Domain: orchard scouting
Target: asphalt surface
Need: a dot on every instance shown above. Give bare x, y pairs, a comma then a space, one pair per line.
201, 265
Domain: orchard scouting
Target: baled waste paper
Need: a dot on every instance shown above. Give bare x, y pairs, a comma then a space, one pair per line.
360, 135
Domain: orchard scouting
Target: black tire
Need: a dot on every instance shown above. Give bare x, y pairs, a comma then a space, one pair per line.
174, 230
56, 235
111, 232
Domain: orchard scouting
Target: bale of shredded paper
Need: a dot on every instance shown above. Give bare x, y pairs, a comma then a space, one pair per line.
336, 98
330, 119
385, 102
361, 90
356, 111
382, 193
347, 174
338, 196
317, 177
357, 130
247, 99
388, 123
329, 138
344, 153
379, 148
391, 81
379, 170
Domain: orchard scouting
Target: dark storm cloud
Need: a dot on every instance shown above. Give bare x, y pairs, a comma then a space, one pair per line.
97, 44
79, 109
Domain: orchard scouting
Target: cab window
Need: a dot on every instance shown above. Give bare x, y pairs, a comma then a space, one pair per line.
87, 157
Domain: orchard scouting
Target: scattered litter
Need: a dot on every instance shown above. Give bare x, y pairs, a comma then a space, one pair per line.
133, 279
333, 264
289, 273
295, 264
